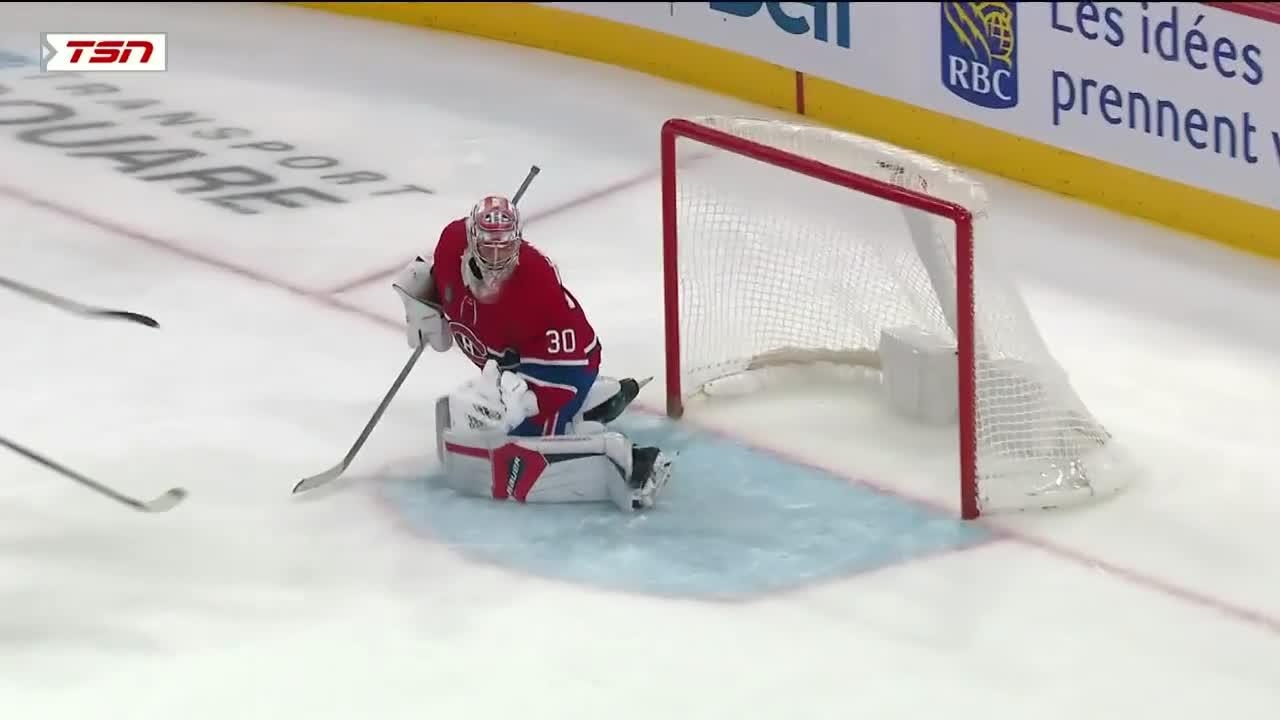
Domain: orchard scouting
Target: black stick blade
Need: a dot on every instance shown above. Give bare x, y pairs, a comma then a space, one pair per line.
165, 502
74, 307
133, 317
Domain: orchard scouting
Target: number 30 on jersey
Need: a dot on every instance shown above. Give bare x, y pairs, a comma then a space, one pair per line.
561, 341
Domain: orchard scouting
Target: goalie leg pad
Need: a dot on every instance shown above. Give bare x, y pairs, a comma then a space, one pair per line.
600, 467
603, 389
609, 397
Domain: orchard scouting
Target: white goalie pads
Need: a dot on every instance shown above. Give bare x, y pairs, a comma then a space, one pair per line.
589, 464
593, 465
602, 390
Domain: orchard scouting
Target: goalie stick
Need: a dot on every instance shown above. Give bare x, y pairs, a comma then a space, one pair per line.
74, 307
163, 503
333, 473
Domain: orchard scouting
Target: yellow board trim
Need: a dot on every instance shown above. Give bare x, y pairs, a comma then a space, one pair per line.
1228, 220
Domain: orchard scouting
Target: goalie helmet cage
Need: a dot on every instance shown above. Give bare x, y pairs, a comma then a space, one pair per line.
787, 243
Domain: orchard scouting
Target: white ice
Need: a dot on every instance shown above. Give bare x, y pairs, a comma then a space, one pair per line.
247, 603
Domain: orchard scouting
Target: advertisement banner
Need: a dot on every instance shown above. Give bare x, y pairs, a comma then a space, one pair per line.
1179, 90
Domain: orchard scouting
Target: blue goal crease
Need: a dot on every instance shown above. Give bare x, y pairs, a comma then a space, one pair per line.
736, 522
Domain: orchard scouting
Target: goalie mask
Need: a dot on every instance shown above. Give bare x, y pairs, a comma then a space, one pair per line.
494, 234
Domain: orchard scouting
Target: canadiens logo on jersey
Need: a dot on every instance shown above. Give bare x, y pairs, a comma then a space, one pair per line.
467, 341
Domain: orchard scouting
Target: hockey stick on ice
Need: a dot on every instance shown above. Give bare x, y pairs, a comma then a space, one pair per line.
162, 503
74, 307
334, 472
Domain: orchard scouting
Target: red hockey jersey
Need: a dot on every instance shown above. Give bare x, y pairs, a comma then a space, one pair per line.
533, 319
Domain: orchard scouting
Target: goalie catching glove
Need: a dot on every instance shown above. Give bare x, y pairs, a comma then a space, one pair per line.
496, 401
424, 320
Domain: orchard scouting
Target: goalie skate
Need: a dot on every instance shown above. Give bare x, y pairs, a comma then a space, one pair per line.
650, 472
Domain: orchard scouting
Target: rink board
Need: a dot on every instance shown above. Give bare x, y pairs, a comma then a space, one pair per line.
1216, 216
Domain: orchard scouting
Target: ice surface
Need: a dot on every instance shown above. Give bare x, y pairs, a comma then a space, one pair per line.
367, 603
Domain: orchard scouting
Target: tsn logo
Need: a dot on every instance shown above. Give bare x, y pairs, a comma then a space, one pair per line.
103, 52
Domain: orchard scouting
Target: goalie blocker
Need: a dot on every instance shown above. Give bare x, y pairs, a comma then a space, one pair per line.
589, 464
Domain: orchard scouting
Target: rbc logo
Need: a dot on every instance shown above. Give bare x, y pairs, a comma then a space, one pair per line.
980, 52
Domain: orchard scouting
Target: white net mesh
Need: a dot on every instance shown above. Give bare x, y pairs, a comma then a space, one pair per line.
776, 267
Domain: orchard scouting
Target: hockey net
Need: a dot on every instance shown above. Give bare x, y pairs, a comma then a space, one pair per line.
792, 244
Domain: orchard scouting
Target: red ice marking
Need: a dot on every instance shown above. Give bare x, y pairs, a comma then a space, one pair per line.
194, 256
572, 204
1133, 576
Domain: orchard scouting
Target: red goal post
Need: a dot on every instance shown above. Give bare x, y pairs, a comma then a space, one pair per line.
789, 244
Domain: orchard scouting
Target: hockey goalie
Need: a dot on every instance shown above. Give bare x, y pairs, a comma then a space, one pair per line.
532, 426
